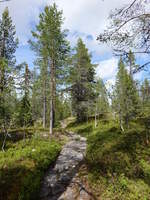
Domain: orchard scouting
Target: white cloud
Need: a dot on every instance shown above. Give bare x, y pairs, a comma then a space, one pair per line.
97, 50
23, 13
88, 16
107, 69
84, 16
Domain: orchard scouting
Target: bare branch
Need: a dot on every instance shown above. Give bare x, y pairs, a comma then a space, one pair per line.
126, 10
132, 18
129, 30
141, 67
118, 52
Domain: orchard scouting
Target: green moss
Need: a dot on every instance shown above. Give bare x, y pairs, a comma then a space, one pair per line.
23, 165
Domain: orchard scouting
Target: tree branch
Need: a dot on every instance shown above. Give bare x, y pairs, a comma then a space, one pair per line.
132, 18
141, 67
129, 7
122, 53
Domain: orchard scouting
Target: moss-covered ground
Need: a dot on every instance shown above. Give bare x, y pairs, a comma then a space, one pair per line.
118, 163
22, 166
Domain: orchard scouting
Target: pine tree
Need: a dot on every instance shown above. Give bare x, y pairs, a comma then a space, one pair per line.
101, 100
8, 42
145, 93
42, 63
36, 96
131, 63
55, 47
81, 78
8, 45
102, 97
25, 112
126, 96
144, 117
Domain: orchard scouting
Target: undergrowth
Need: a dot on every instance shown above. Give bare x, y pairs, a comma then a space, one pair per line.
22, 167
118, 163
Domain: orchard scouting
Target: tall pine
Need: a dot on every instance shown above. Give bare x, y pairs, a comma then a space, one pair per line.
126, 96
144, 117
8, 45
55, 48
82, 79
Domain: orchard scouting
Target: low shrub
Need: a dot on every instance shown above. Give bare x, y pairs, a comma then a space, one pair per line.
118, 163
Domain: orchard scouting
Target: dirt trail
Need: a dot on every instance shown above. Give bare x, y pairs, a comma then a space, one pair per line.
62, 181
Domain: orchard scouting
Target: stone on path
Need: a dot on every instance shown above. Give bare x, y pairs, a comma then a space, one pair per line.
59, 182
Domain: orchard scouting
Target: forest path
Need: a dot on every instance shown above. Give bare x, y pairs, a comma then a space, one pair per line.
62, 182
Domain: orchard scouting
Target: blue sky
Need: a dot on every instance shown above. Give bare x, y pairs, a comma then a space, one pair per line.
83, 18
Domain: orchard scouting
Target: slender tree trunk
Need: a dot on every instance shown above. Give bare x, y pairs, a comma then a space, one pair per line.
70, 109
2, 68
51, 117
52, 86
6, 131
131, 71
87, 114
44, 113
44, 105
96, 116
121, 122
51, 106
54, 95
4, 141
24, 133
2, 86
121, 125
2, 78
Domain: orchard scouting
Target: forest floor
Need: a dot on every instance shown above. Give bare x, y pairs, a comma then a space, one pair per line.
83, 162
24, 161
117, 165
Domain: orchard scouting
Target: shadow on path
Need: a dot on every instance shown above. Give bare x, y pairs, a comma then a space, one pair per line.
57, 179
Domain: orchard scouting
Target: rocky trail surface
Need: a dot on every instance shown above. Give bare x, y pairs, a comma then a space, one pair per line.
62, 182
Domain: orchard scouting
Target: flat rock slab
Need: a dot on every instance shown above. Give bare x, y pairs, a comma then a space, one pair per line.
77, 190
58, 179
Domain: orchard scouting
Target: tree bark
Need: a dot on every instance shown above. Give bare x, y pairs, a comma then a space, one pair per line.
52, 103
96, 116
44, 105
51, 117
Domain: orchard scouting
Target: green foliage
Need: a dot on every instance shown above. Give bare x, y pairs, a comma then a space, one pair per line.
81, 79
37, 95
62, 109
22, 167
52, 50
131, 63
126, 100
144, 117
83, 128
8, 42
25, 114
8, 45
101, 102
